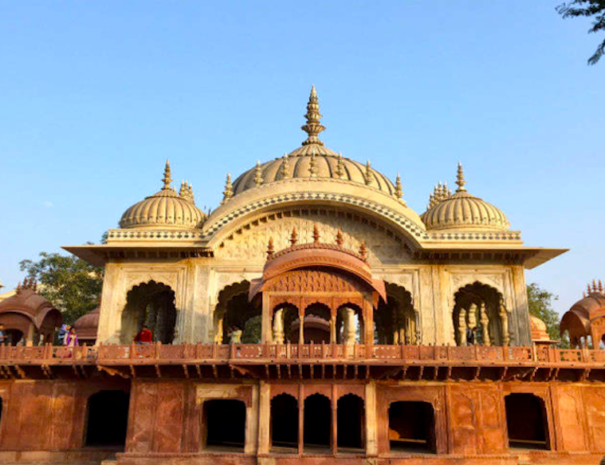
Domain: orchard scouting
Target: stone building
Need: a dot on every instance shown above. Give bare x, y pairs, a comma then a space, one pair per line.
369, 333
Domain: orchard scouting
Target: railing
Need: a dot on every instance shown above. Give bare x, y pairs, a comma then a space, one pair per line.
304, 353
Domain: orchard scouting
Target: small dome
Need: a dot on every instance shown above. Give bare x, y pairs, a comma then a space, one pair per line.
87, 325
538, 329
165, 209
464, 211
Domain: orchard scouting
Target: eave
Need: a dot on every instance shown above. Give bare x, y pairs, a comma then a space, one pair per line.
98, 255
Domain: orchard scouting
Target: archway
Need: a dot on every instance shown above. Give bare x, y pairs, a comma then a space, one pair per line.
317, 423
284, 422
526, 421
150, 304
350, 422
412, 426
224, 424
479, 316
396, 320
13, 336
235, 312
107, 419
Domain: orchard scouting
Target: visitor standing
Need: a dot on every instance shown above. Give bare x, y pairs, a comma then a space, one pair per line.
145, 336
71, 338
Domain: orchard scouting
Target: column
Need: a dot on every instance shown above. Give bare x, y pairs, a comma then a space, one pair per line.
278, 326
349, 324
485, 326
333, 338
462, 327
264, 418
368, 323
301, 328
29, 341
371, 420
504, 324
267, 336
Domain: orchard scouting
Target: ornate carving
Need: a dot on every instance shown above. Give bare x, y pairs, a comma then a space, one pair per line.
313, 280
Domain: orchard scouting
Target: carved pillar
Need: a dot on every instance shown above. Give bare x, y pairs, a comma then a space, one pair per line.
349, 324
333, 338
418, 334
218, 337
484, 325
462, 327
267, 336
29, 341
278, 326
504, 324
301, 327
371, 420
264, 418
368, 322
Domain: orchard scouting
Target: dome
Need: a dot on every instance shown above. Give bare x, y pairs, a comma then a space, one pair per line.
165, 209
463, 211
312, 160
86, 326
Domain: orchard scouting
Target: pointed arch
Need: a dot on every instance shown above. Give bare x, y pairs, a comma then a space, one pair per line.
397, 321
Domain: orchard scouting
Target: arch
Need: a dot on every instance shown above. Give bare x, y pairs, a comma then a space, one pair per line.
480, 316
107, 419
13, 336
412, 426
317, 423
397, 321
224, 424
151, 304
350, 422
235, 312
284, 422
526, 421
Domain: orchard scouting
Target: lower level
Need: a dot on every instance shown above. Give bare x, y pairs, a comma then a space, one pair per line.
173, 421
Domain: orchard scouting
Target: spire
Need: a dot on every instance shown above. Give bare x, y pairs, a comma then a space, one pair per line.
313, 169
228, 192
167, 179
594, 286
339, 239
313, 126
284, 169
368, 173
315, 234
600, 287
258, 174
398, 188
340, 167
460, 179
293, 237
588, 289
270, 248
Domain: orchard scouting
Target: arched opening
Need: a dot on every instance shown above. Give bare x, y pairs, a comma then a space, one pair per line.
236, 318
151, 304
317, 424
107, 419
526, 421
396, 320
13, 336
412, 426
224, 424
350, 422
480, 317
284, 422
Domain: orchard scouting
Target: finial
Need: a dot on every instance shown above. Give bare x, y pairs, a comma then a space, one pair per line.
340, 167
313, 126
167, 179
363, 251
228, 192
584, 294
186, 192
588, 289
368, 174
398, 188
339, 239
600, 287
447, 193
460, 179
594, 286
313, 169
315, 233
293, 237
258, 174
19, 287
284, 169
270, 248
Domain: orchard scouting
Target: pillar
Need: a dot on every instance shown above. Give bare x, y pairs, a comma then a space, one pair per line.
462, 327
368, 323
504, 325
349, 324
484, 326
267, 336
29, 341
278, 326
371, 420
264, 418
301, 327
333, 338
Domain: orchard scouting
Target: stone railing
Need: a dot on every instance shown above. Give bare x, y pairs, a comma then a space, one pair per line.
297, 353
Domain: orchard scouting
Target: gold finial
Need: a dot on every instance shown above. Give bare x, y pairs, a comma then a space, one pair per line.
228, 192
368, 174
313, 126
293, 237
363, 251
339, 239
447, 193
270, 248
284, 169
315, 233
340, 167
313, 169
258, 174
398, 187
460, 179
167, 179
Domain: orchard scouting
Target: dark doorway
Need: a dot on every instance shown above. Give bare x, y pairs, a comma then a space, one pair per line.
526, 421
350, 422
317, 423
107, 419
13, 336
412, 427
284, 422
225, 423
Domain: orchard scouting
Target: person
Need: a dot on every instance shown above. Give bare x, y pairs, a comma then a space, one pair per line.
71, 339
2, 335
235, 335
145, 336
470, 336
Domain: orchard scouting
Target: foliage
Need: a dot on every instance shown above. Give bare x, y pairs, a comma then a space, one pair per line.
252, 332
587, 8
540, 305
71, 284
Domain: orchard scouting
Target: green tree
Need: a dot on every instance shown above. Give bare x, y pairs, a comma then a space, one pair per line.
540, 305
71, 284
587, 8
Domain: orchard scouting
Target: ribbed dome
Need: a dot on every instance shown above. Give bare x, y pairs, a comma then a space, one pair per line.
165, 209
464, 211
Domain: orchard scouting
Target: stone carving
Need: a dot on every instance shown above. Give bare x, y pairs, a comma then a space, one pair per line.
314, 281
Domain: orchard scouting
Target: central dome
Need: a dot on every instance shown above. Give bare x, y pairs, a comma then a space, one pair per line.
313, 160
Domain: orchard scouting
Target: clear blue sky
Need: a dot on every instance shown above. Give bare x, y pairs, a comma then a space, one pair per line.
96, 95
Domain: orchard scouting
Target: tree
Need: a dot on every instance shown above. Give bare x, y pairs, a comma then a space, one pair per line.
540, 305
71, 284
588, 8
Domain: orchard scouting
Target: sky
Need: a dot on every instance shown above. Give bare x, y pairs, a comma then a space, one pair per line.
96, 95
